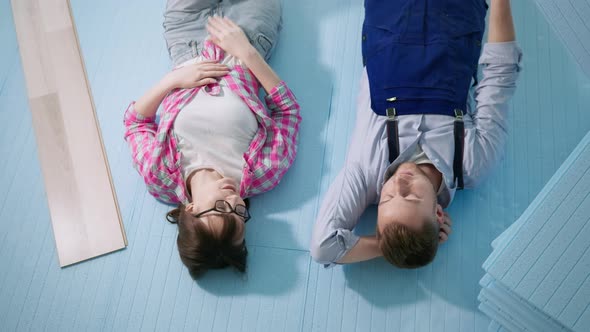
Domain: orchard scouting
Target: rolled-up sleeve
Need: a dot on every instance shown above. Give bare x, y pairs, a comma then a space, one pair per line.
485, 142
140, 134
283, 131
345, 201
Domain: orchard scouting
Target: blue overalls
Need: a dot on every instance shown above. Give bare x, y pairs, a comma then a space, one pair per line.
420, 57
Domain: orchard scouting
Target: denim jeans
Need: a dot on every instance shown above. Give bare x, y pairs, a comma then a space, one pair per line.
185, 24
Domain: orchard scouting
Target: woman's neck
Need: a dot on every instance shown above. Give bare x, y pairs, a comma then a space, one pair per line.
198, 179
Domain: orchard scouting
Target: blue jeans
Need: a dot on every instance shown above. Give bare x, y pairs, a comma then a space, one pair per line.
185, 24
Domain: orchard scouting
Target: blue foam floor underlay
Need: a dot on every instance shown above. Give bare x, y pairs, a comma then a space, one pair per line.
570, 20
145, 286
537, 275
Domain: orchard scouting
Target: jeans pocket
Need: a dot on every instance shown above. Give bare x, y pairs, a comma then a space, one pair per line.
264, 45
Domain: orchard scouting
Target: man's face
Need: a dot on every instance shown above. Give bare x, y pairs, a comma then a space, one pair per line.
408, 197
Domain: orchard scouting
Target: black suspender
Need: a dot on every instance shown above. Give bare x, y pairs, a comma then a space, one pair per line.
392, 135
459, 134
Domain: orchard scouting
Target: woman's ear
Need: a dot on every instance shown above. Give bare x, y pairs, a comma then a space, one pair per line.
189, 207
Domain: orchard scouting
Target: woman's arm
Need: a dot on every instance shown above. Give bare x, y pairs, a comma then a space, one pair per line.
231, 38
148, 104
186, 77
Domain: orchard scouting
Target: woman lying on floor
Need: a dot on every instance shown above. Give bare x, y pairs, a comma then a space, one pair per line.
215, 143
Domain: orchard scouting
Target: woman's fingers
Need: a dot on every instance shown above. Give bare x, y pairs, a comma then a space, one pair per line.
230, 23
210, 69
230, 37
205, 81
213, 30
213, 67
206, 62
215, 73
216, 26
222, 23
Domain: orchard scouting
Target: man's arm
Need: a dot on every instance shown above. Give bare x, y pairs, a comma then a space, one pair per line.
352, 191
500, 60
365, 249
333, 240
501, 24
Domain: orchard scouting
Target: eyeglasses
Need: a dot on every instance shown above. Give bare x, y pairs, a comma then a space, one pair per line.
225, 207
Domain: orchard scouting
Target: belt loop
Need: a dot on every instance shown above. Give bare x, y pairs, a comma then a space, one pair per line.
193, 45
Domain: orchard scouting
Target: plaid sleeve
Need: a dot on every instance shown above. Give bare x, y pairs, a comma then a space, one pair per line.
284, 112
140, 134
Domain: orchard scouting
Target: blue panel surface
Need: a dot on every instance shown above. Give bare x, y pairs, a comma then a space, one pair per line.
569, 19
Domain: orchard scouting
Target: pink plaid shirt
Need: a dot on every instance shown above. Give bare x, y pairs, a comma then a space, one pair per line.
156, 155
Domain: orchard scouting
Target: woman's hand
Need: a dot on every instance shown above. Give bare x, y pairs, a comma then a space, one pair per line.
230, 37
445, 229
195, 75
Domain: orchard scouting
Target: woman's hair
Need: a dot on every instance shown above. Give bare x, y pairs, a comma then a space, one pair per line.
201, 249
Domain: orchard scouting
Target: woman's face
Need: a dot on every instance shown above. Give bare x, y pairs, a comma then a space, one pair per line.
224, 189
205, 196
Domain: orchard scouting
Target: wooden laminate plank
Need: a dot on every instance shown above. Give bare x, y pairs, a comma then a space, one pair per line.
84, 212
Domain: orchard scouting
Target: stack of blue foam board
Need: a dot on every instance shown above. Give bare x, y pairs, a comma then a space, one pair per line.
569, 20
538, 275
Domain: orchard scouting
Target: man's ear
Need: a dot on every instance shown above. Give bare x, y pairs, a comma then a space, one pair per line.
440, 214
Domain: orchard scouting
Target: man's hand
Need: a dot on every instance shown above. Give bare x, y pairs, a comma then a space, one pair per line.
445, 229
195, 75
230, 37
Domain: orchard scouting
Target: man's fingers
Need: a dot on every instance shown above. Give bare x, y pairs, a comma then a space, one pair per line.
442, 237
446, 229
448, 219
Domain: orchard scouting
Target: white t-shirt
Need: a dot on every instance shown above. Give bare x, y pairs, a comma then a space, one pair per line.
215, 131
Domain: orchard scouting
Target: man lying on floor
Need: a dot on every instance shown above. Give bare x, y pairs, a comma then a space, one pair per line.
413, 145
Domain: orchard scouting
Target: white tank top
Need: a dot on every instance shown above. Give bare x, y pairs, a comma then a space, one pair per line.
215, 131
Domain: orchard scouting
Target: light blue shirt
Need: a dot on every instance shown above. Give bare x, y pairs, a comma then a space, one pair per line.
367, 166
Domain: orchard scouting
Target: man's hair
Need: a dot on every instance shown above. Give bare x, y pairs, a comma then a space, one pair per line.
407, 248
201, 249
